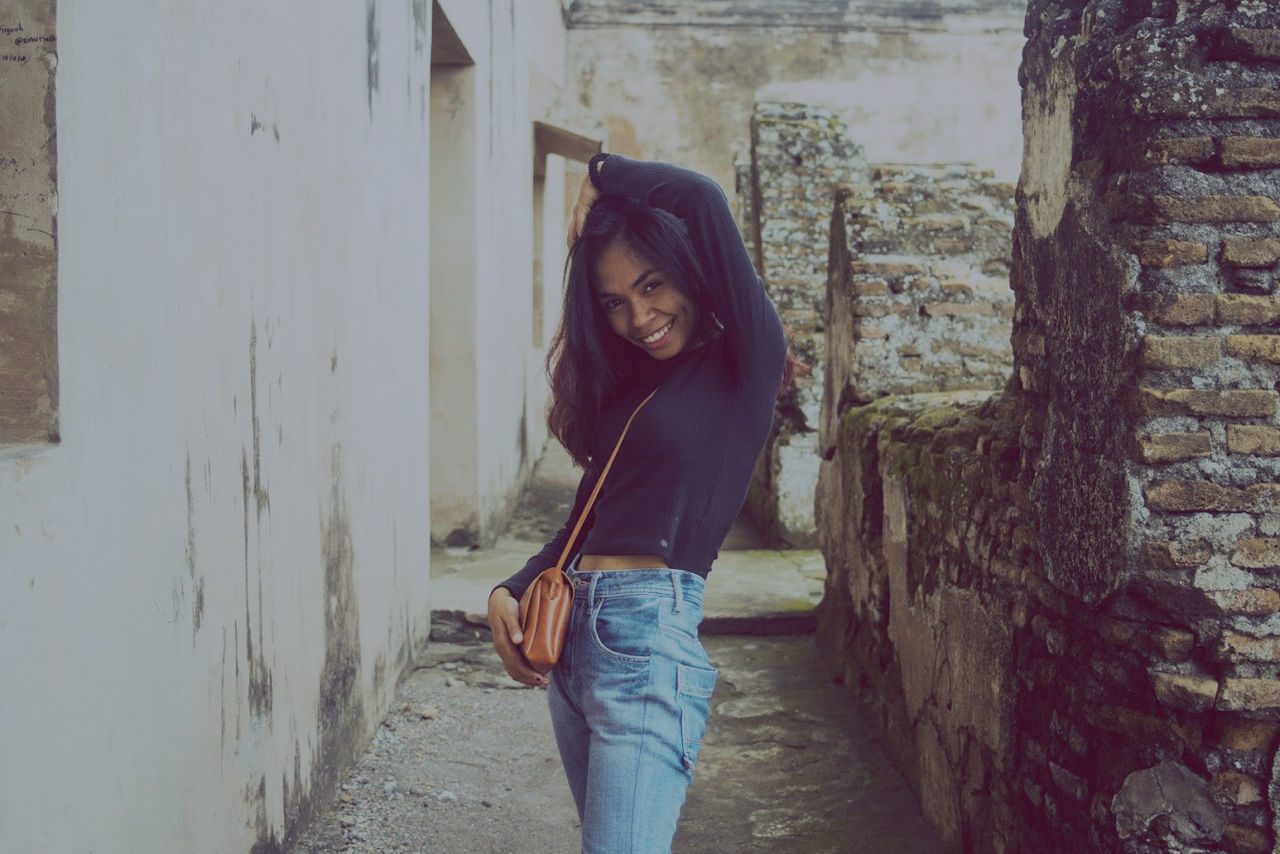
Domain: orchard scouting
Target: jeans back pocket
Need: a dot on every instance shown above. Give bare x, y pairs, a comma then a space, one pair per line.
694, 686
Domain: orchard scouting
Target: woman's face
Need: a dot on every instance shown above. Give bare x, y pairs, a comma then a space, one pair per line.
642, 304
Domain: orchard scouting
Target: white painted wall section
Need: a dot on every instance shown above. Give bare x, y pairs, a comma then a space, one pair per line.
209, 588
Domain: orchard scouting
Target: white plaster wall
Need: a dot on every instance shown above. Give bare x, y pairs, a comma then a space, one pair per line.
491, 425
236, 514
685, 93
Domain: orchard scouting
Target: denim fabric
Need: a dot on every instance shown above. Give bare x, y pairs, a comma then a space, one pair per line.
629, 702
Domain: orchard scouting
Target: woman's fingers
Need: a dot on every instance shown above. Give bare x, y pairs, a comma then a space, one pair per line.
504, 622
587, 195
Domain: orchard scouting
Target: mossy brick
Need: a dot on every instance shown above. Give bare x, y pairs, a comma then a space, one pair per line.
1142, 728
1118, 632
1251, 251
1191, 693
1241, 694
870, 288
1182, 309
1238, 403
1160, 152
1174, 447
1250, 602
1244, 839
1257, 439
1189, 101
1247, 102
1198, 496
1235, 788
1237, 733
1171, 253
1174, 645
1239, 152
876, 268
1257, 553
1255, 43
880, 309
1247, 310
1181, 351
1235, 646
1255, 348
959, 309
1169, 556
1202, 209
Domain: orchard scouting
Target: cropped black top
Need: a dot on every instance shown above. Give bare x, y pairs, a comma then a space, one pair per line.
682, 473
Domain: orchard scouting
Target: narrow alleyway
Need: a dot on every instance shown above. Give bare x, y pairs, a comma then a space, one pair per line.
465, 761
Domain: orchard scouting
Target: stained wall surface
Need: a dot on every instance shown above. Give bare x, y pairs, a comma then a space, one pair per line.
210, 583
28, 223
914, 82
500, 245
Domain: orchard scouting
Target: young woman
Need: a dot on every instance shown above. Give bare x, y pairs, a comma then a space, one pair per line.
661, 294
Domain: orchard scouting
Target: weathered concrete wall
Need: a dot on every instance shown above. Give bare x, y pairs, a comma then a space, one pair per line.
209, 588
28, 230
916, 82
1060, 603
488, 277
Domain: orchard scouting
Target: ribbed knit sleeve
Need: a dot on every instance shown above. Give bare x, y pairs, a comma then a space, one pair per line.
751, 326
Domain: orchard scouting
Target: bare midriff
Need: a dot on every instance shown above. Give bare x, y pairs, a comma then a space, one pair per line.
596, 563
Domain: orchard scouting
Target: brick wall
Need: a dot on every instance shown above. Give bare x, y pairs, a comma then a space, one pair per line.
919, 290
800, 156
1061, 601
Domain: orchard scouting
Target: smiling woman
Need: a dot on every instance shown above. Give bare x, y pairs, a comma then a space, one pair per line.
662, 305
643, 305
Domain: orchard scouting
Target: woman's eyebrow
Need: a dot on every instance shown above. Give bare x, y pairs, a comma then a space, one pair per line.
639, 279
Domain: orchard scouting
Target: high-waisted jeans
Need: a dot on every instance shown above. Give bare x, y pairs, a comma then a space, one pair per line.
629, 702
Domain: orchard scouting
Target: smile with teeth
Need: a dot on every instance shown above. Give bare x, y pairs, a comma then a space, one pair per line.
658, 335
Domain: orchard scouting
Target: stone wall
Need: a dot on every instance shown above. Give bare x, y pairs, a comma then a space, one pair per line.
919, 290
1060, 601
800, 157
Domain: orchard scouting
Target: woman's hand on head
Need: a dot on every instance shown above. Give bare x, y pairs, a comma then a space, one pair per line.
504, 622
587, 195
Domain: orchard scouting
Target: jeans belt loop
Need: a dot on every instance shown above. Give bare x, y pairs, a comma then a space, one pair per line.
591, 590
679, 593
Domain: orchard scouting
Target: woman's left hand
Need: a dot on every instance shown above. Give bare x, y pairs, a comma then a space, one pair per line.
587, 195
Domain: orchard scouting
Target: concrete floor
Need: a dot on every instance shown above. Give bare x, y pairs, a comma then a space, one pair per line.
465, 762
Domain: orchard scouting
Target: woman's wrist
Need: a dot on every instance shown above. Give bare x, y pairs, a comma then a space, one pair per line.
594, 167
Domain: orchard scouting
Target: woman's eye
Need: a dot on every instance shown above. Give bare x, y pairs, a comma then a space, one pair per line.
610, 304
652, 286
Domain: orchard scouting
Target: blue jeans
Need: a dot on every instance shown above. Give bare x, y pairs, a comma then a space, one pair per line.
629, 702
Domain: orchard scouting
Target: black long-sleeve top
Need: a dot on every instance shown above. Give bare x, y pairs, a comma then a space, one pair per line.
682, 473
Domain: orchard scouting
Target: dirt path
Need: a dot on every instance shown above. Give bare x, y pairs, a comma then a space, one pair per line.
466, 764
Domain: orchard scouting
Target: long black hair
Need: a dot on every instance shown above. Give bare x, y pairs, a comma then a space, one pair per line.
589, 364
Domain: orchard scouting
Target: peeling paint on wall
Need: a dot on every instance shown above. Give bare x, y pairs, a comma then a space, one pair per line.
28, 223
371, 61
261, 499
266, 842
420, 30
340, 705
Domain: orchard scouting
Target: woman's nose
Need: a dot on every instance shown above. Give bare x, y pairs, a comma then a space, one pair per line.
640, 313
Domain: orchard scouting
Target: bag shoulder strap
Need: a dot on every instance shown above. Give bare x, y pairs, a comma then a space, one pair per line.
586, 510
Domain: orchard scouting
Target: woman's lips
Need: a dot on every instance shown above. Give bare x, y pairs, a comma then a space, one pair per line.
658, 338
